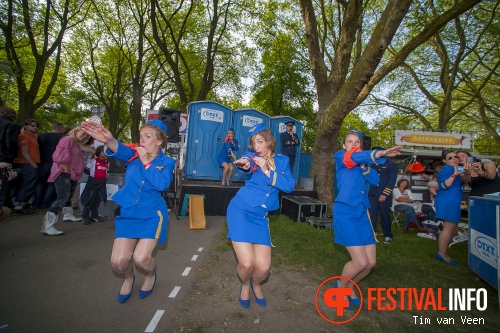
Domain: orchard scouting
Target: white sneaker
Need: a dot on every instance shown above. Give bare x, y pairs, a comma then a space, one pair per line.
426, 235
388, 240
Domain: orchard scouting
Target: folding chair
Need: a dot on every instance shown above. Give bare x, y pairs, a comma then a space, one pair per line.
462, 234
398, 217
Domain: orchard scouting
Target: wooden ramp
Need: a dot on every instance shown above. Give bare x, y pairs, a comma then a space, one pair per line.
197, 213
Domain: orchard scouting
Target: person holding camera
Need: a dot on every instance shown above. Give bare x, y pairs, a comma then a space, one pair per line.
226, 157
448, 200
484, 178
6, 174
289, 141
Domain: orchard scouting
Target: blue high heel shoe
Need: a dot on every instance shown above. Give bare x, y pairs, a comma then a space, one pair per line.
244, 303
144, 294
354, 301
124, 298
336, 285
261, 301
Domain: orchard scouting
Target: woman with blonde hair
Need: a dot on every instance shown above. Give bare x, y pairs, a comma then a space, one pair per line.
351, 223
67, 168
143, 218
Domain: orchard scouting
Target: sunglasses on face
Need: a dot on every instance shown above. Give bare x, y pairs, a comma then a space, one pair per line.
451, 157
34, 125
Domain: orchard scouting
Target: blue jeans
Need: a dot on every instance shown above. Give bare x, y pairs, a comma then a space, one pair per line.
45, 192
409, 213
429, 211
26, 186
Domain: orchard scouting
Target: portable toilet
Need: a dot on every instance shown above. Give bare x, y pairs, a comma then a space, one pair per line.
277, 127
207, 125
304, 165
243, 121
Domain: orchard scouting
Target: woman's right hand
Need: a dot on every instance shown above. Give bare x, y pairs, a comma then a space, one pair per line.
4, 165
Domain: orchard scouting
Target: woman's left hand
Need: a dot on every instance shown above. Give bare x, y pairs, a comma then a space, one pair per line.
97, 131
262, 163
143, 155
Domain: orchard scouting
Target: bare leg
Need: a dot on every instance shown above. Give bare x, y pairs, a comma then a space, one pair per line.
230, 173
450, 229
261, 268
144, 260
363, 259
246, 265
225, 172
123, 249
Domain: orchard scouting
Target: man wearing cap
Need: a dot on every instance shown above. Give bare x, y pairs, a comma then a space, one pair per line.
288, 142
380, 196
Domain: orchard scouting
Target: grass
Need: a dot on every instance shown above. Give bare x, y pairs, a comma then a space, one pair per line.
406, 263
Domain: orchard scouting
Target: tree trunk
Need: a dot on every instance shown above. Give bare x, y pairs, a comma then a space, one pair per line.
346, 94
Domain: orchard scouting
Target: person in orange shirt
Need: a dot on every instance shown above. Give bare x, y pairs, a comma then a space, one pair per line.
27, 160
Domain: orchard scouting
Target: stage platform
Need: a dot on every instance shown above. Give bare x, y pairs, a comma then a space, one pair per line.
217, 197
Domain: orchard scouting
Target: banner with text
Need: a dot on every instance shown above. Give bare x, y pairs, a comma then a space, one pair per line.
433, 139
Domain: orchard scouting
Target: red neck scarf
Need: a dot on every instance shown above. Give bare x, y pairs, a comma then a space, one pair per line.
134, 147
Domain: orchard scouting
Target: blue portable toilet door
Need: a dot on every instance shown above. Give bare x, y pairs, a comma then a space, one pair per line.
277, 127
243, 121
208, 122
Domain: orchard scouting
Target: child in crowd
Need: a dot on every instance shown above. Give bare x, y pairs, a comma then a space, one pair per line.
95, 190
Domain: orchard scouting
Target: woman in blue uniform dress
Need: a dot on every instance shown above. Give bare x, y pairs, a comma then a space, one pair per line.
226, 156
351, 224
143, 212
247, 219
447, 201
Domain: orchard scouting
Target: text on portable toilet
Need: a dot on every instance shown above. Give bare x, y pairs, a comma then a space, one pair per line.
212, 115
249, 121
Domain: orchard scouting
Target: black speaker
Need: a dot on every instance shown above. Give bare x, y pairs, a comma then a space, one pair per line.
367, 142
172, 119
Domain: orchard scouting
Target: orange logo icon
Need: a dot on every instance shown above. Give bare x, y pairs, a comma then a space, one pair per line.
332, 302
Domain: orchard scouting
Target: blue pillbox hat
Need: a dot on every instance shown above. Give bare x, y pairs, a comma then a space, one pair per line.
356, 132
231, 129
256, 129
158, 123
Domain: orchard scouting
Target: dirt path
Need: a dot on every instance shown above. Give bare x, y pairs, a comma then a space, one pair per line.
213, 306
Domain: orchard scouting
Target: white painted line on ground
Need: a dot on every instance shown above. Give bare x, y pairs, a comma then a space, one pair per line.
174, 292
194, 257
156, 319
200, 249
186, 271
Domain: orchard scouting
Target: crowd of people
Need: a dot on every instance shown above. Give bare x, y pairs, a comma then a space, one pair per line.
41, 170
